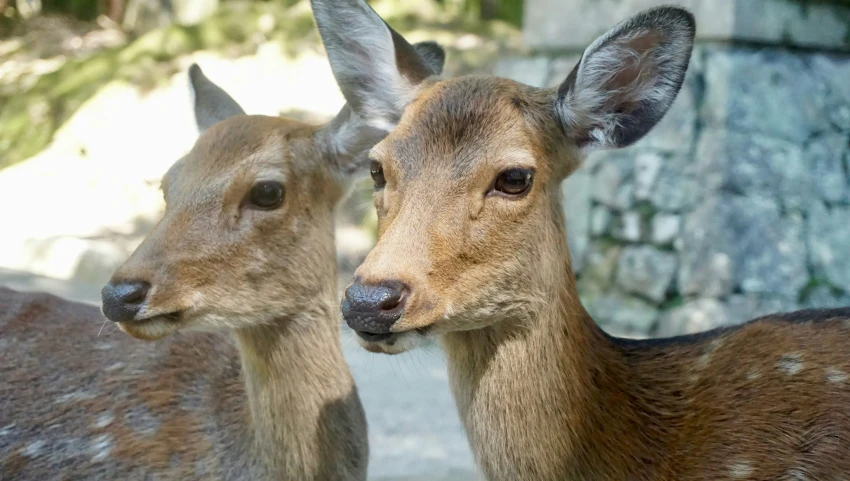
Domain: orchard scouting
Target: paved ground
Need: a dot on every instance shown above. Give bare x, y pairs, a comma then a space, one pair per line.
414, 431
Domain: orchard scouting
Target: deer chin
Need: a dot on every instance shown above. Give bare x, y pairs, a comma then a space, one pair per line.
397, 343
152, 328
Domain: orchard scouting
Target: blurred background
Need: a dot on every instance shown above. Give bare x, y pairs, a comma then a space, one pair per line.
736, 205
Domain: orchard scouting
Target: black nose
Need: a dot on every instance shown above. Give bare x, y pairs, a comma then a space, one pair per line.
373, 308
122, 300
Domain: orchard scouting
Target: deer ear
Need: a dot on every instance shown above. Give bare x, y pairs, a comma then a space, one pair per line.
432, 54
377, 70
627, 79
212, 104
348, 137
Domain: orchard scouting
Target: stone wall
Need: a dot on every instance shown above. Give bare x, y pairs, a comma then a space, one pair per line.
738, 203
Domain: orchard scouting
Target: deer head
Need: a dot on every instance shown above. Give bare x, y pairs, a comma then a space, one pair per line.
248, 227
471, 228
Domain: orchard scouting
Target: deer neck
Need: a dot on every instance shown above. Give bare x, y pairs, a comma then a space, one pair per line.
547, 398
306, 421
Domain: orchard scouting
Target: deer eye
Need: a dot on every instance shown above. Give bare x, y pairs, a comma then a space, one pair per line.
377, 172
266, 195
513, 182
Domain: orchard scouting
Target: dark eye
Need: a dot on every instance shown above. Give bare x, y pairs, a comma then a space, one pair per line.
377, 174
513, 182
266, 195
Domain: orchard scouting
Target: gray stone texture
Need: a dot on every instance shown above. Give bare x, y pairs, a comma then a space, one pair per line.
600, 220
628, 227
736, 242
676, 189
825, 158
532, 71
695, 316
755, 165
829, 242
646, 271
647, 167
560, 68
770, 92
665, 228
611, 186
835, 70
741, 308
600, 264
576, 192
624, 311
826, 297
737, 204
555, 24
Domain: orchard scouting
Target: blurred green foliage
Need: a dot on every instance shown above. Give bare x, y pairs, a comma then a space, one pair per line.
31, 112
506, 10
80, 9
29, 117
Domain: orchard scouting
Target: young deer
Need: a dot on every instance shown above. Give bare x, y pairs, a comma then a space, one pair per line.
472, 251
246, 245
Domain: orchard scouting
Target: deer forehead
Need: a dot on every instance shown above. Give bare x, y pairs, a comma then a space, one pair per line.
246, 144
460, 125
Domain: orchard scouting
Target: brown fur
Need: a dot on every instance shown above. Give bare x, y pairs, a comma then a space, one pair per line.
543, 393
78, 405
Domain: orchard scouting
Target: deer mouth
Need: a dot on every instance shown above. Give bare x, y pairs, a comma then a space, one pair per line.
386, 338
394, 342
153, 327
171, 317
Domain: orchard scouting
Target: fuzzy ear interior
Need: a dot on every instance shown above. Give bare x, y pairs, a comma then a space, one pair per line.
432, 54
377, 70
212, 104
348, 137
627, 79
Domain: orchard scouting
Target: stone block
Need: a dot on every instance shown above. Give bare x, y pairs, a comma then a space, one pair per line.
739, 242
556, 24
532, 71
611, 186
561, 68
618, 310
743, 308
600, 220
665, 228
646, 271
600, 265
695, 316
628, 227
755, 165
771, 92
828, 243
835, 70
824, 158
675, 191
647, 167
823, 297
576, 194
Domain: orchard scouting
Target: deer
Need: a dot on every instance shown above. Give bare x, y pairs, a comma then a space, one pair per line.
471, 252
243, 265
